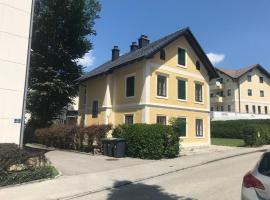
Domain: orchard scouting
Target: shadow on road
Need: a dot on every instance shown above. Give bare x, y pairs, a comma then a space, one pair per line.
137, 191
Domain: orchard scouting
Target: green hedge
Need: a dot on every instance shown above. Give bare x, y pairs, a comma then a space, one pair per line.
27, 175
234, 128
149, 141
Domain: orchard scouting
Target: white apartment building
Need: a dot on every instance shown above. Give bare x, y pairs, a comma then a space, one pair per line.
15, 18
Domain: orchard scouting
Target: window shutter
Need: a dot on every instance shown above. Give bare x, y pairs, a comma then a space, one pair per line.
181, 89
181, 57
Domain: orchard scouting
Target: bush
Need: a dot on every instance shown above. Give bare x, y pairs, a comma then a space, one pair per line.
254, 135
73, 137
149, 141
11, 155
27, 175
234, 128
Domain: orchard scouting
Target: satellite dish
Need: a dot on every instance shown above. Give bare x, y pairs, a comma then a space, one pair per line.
218, 83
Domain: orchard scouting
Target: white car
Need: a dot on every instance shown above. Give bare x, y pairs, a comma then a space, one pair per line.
256, 183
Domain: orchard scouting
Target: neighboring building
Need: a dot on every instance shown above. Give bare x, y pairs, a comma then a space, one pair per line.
150, 84
246, 90
15, 17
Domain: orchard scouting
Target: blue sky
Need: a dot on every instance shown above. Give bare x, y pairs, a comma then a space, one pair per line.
236, 32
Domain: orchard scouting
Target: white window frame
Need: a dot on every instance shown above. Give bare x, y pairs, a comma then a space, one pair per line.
203, 128
167, 85
125, 92
124, 121
183, 66
262, 93
182, 79
160, 115
201, 83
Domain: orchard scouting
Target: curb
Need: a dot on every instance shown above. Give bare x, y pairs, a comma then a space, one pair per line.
159, 175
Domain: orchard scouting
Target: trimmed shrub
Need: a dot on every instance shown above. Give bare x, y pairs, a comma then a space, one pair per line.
149, 141
73, 137
234, 128
254, 135
27, 175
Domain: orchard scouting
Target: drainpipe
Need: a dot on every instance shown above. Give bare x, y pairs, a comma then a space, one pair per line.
26, 76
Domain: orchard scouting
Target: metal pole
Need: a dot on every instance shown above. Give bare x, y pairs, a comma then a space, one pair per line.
26, 75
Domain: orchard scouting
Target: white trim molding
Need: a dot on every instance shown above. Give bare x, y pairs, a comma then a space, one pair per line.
125, 92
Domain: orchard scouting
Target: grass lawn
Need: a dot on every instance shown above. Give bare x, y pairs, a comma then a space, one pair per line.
228, 142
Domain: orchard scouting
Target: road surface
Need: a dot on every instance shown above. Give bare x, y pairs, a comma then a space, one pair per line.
219, 180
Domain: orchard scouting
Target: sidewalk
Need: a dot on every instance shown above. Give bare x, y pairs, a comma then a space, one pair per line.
69, 187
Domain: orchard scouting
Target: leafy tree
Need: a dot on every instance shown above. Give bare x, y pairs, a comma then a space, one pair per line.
61, 31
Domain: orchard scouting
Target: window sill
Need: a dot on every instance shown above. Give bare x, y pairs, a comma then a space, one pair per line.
200, 137
129, 97
182, 66
198, 102
161, 97
182, 100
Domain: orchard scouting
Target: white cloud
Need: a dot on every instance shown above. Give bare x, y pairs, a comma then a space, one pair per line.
215, 58
87, 60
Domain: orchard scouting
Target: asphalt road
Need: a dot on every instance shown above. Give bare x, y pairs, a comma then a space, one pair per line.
219, 180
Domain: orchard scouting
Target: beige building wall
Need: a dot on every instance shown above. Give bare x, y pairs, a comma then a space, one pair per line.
239, 93
14, 33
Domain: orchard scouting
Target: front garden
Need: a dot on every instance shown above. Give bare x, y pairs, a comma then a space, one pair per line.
23, 165
241, 132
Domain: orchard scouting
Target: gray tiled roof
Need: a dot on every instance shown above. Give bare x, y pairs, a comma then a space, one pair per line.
240, 72
145, 52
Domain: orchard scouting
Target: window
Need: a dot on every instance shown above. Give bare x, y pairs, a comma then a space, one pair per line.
84, 97
198, 92
249, 92
211, 95
247, 109
217, 108
259, 109
229, 92
161, 86
199, 127
229, 108
129, 119
198, 65
162, 120
254, 109
95, 109
182, 89
212, 109
130, 86
220, 80
220, 94
261, 93
181, 56
265, 110
249, 78
162, 54
261, 79
182, 127
221, 108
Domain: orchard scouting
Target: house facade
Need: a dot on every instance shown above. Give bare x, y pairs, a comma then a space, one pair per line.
151, 84
15, 20
245, 90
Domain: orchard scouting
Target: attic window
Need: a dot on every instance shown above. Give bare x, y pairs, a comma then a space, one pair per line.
198, 65
162, 54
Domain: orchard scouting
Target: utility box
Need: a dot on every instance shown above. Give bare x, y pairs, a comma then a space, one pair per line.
114, 147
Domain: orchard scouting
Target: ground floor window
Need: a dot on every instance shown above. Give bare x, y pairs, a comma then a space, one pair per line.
265, 110
199, 127
129, 119
161, 120
229, 108
254, 109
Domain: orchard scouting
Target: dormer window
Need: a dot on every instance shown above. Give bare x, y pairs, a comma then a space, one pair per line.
181, 57
249, 78
261, 79
198, 65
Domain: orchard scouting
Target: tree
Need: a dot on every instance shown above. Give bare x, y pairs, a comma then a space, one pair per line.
61, 31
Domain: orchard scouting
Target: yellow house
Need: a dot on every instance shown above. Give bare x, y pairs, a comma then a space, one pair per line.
151, 84
245, 90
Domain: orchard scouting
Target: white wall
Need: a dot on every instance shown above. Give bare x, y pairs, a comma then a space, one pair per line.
223, 116
14, 33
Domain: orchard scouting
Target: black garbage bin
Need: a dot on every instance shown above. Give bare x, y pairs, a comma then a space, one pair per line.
114, 147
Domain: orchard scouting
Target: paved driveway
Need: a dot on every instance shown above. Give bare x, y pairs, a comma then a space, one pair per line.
70, 163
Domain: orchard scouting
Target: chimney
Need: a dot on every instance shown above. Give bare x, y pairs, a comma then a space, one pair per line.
133, 46
115, 53
143, 41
